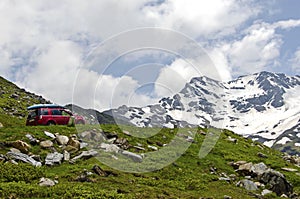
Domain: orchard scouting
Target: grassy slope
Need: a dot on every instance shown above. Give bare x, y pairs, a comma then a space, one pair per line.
189, 177
15, 107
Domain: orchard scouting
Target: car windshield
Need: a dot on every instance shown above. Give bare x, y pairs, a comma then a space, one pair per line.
32, 114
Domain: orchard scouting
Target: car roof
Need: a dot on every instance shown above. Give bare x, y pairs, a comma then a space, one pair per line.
37, 106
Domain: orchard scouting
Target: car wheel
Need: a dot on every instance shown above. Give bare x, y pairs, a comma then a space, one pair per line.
50, 123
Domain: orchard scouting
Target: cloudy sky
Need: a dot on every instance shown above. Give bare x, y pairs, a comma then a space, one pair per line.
105, 53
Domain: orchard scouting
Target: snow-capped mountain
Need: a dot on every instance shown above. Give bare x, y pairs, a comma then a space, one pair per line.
263, 106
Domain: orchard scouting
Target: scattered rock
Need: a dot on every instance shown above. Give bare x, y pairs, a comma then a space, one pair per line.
258, 184
24, 158
14, 96
159, 144
51, 135
139, 148
46, 144
122, 143
73, 144
14, 150
53, 158
62, 139
21, 145
99, 171
46, 182
110, 147
227, 197
32, 140
3, 158
13, 162
152, 147
225, 179
85, 155
84, 177
277, 182
247, 184
283, 196
126, 133
133, 156
265, 192
230, 139
66, 155
245, 168
1, 125
289, 169
261, 155
92, 135
237, 164
259, 168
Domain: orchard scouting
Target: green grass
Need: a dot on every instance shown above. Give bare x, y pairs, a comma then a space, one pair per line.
188, 177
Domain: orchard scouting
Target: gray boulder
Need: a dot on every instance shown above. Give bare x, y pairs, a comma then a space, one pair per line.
110, 147
259, 168
46, 144
277, 182
24, 158
85, 155
247, 184
46, 182
133, 156
62, 139
54, 158
51, 135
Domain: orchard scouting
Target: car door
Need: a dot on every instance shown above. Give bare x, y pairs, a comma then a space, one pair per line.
66, 116
57, 116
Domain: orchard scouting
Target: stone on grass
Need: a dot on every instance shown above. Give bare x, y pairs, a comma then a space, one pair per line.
247, 184
53, 158
110, 147
66, 155
62, 139
21, 145
277, 182
289, 169
46, 182
46, 144
265, 192
99, 171
133, 156
32, 139
51, 135
85, 155
24, 158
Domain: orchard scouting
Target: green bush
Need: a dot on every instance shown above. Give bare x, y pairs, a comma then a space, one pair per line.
20, 173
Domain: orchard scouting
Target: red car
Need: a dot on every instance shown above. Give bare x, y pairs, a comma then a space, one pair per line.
51, 114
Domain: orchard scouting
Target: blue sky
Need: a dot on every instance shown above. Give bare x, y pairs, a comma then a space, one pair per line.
59, 48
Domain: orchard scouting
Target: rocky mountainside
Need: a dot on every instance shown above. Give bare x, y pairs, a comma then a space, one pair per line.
262, 106
14, 101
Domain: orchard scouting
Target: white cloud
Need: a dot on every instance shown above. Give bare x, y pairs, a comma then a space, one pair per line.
295, 61
52, 73
202, 18
102, 92
42, 43
258, 49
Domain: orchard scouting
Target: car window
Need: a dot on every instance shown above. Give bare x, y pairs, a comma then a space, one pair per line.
44, 112
32, 114
56, 112
65, 113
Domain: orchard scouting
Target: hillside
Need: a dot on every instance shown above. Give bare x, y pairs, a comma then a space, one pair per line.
36, 162
14, 102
